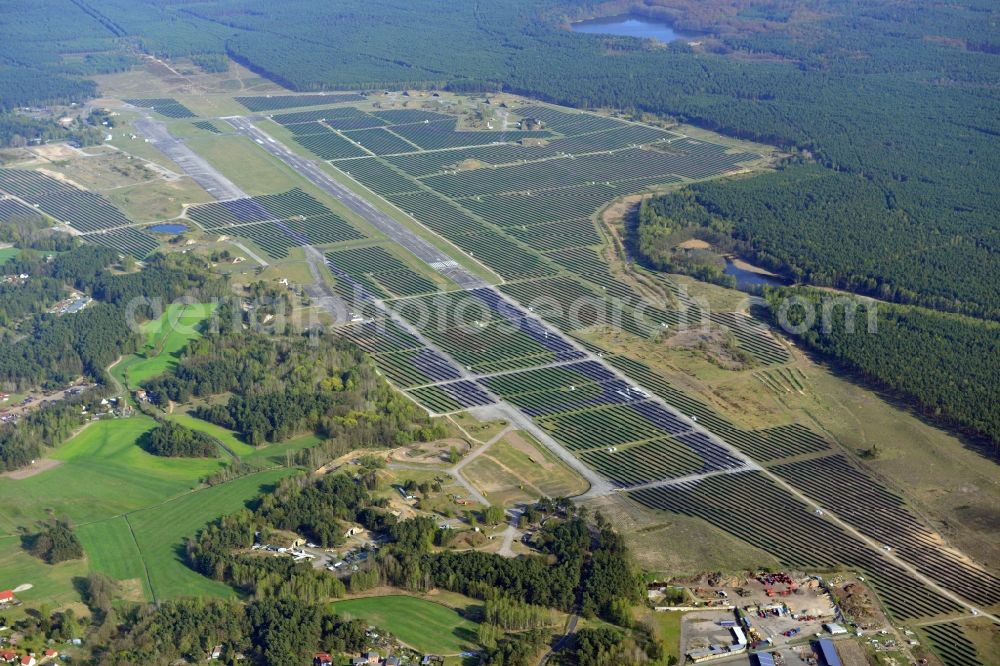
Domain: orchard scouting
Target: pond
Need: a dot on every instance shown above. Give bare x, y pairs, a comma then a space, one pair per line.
630, 25
749, 278
168, 228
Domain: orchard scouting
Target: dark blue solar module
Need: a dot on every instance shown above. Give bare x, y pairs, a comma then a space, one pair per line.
295, 236
572, 355
593, 370
466, 393
380, 336
656, 414
543, 336
360, 290
247, 210
434, 365
715, 456
615, 392
498, 304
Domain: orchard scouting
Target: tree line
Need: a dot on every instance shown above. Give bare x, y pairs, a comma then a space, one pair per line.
948, 364
55, 543
584, 566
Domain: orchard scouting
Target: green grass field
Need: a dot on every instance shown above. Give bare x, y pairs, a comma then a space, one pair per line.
102, 473
112, 550
165, 338
53, 585
423, 625
110, 488
161, 532
275, 453
667, 628
8, 252
248, 165
103, 482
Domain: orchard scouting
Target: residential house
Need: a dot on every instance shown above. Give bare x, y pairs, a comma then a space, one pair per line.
6, 597
372, 657
28, 660
7, 657
322, 659
216, 652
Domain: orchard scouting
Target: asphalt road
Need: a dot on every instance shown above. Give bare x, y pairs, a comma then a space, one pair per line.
191, 162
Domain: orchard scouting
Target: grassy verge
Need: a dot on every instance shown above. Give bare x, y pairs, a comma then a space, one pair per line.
667, 629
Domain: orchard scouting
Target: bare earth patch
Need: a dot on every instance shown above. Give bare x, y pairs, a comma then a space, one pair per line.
851, 653
55, 151
620, 208
36, 467
712, 343
431, 452
131, 590
61, 177
517, 442
694, 244
744, 266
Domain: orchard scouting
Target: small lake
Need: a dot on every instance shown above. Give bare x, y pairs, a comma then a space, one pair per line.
629, 25
168, 228
745, 278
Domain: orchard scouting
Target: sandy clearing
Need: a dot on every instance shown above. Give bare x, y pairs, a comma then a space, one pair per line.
36, 467
56, 151
519, 443
744, 266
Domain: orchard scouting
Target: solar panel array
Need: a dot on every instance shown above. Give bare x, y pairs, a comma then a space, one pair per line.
81, 209
275, 102
98, 220
276, 222
165, 106
12, 209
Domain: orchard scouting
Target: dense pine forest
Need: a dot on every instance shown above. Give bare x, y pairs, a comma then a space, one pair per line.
896, 104
176, 441
52, 351
948, 364
824, 229
281, 386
